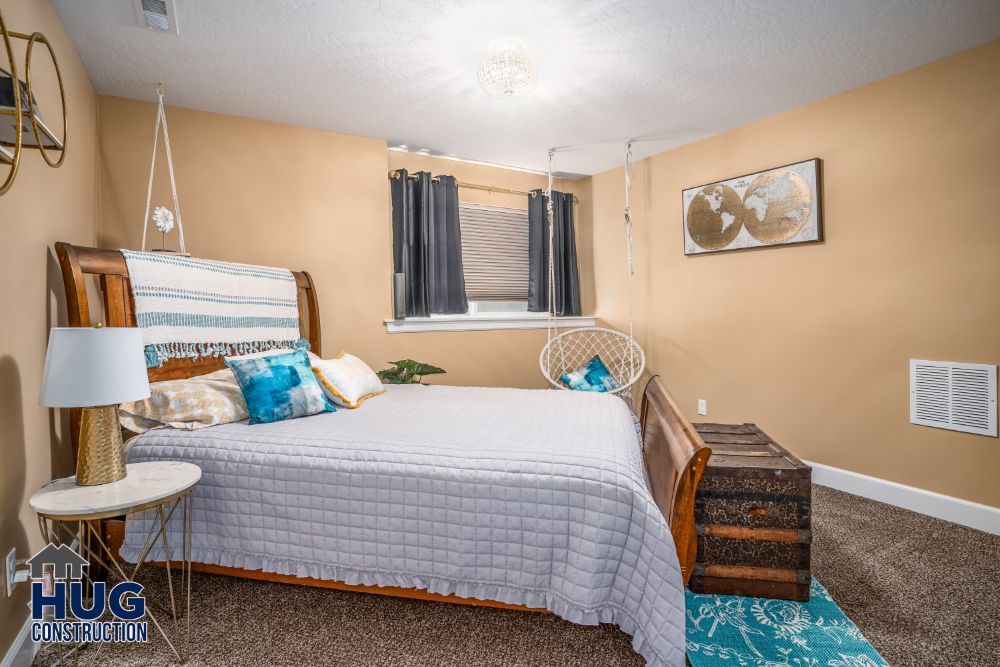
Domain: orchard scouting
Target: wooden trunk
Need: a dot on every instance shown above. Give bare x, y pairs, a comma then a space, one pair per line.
753, 517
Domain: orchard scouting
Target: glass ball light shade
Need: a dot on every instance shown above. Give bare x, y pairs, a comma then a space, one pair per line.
507, 72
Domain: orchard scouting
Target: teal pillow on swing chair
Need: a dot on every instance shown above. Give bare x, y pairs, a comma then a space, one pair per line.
592, 376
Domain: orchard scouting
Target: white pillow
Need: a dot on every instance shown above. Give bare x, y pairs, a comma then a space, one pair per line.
346, 380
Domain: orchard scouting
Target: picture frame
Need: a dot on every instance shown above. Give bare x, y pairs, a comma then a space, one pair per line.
770, 208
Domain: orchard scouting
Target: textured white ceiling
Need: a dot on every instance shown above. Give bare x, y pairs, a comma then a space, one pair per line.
405, 70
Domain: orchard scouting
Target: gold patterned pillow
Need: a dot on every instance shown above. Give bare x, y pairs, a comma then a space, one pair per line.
192, 403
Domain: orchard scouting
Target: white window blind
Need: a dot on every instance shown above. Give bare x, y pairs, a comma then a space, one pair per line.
494, 252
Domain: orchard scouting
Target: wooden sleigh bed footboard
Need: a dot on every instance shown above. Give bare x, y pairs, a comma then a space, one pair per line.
674, 453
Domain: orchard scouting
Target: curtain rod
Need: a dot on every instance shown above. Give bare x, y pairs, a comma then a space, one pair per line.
394, 174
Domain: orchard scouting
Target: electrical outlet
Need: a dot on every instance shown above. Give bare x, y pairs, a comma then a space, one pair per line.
702, 406
9, 567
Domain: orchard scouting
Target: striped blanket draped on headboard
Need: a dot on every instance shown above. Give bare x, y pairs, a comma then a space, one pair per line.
189, 308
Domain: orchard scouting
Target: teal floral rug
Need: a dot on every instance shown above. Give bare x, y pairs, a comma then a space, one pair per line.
758, 632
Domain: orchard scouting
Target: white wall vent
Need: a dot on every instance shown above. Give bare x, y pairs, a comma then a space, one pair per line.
958, 397
156, 15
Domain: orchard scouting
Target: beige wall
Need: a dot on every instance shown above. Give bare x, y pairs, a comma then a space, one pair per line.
45, 205
812, 342
253, 191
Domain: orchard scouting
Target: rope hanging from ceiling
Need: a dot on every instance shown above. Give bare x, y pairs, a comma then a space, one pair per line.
163, 218
565, 352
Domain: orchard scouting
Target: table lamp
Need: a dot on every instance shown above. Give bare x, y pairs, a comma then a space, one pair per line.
95, 368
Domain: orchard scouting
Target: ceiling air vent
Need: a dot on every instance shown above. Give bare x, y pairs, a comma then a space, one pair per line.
156, 15
958, 397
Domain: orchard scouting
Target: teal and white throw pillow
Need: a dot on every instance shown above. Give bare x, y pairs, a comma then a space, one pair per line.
592, 376
279, 386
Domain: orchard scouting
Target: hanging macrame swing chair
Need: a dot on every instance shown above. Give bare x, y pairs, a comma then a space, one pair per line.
568, 351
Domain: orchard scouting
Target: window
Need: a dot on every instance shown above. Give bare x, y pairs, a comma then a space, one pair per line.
495, 256
495, 262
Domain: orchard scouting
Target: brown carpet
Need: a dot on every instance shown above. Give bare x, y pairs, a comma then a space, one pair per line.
923, 591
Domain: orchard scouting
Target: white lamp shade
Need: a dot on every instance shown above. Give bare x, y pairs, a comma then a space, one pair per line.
86, 367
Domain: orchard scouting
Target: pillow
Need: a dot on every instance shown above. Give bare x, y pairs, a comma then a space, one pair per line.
346, 380
191, 403
592, 376
279, 386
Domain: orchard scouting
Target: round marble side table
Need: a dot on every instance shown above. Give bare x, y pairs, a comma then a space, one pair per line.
67, 512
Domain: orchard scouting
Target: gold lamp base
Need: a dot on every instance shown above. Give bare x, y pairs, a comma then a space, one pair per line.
101, 456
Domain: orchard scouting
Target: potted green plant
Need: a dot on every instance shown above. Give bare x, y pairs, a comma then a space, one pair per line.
407, 371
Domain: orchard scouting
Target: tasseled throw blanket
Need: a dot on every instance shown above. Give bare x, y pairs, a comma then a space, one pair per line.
189, 308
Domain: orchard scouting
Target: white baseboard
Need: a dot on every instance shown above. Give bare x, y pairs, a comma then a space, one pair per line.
956, 510
22, 652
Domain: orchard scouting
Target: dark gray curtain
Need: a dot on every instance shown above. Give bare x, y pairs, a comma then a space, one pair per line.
427, 243
567, 278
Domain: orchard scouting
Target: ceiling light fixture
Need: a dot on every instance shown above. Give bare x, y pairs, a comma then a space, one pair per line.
507, 71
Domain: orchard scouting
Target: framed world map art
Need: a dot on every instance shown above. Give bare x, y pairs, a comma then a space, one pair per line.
779, 206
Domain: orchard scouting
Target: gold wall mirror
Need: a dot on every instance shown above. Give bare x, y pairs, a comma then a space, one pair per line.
42, 137
21, 122
10, 96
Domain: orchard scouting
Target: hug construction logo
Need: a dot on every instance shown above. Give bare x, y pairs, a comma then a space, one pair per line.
64, 611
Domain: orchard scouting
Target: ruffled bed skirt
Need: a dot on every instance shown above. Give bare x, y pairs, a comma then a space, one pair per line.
558, 605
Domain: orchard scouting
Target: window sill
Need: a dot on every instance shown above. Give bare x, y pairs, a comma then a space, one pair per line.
483, 323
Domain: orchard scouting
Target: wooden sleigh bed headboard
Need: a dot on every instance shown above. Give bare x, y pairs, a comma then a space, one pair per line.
674, 453
118, 306
109, 267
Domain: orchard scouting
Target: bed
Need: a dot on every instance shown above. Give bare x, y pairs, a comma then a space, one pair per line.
530, 499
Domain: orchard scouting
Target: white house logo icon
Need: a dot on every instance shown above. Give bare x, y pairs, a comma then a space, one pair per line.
66, 563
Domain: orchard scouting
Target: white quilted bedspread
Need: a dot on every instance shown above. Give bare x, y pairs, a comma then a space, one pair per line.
530, 497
